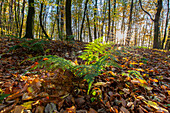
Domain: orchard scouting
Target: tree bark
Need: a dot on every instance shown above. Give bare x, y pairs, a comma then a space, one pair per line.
30, 20
166, 25
108, 33
167, 47
68, 20
95, 14
41, 25
88, 23
23, 7
82, 24
127, 42
156, 42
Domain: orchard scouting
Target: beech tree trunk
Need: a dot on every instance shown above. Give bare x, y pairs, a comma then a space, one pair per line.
156, 42
166, 25
95, 14
68, 20
23, 7
30, 20
127, 42
82, 24
41, 25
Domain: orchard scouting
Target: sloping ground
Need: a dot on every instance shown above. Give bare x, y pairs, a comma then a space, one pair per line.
141, 86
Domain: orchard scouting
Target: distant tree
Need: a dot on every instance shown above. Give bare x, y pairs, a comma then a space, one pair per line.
68, 19
30, 20
156, 42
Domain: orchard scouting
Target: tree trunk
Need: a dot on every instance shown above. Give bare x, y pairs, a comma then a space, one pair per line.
127, 42
23, 7
104, 17
95, 14
41, 25
167, 47
88, 22
156, 42
30, 20
113, 23
68, 21
108, 33
166, 25
62, 19
1, 26
82, 24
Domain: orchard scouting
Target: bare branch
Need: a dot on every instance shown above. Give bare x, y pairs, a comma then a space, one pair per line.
145, 11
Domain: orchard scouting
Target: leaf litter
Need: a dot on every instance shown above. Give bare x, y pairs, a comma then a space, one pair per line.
141, 86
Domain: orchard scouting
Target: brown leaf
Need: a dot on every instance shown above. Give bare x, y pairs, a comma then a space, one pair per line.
71, 110
91, 110
39, 109
80, 101
123, 102
18, 109
124, 110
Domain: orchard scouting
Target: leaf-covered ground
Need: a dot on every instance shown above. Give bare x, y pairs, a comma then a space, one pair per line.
141, 86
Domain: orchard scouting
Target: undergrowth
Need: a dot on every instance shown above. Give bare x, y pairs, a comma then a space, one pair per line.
33, 45
97, 57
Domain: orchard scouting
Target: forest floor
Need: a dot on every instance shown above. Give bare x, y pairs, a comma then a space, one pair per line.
113, 91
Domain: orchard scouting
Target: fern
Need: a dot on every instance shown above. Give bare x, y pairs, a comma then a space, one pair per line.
54, 62
101, 53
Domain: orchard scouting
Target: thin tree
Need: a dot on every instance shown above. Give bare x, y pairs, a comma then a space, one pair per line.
22, 19
108, 33
82, 24
167, 47
156, 42
30, 20
41, 25
129, 26
95, 15
88, 23
166, 25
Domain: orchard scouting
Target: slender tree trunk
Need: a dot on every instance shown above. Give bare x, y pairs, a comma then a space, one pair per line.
41, 25
82, 24
127, 42
16, 18
1, 26
113, 22
166, 25
104, 17
23, 7
108, 33
30, 20
62, 18
68, 20
10, 15
18, 10
167, 47
88, 23
95, 16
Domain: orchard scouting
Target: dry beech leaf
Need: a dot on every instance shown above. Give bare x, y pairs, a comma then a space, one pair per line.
71, 110
18, 109
124, 110
91, 110
123, 102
